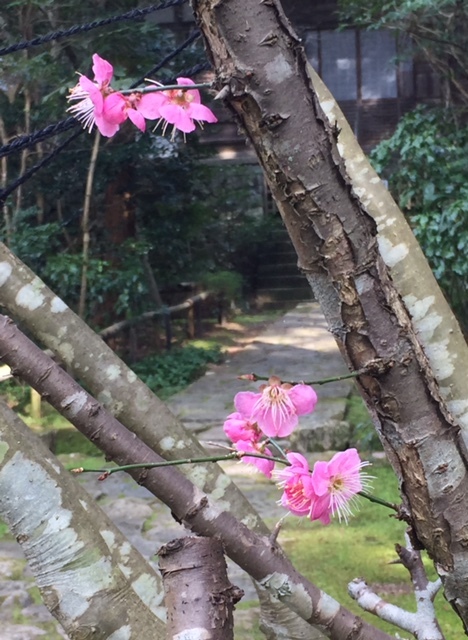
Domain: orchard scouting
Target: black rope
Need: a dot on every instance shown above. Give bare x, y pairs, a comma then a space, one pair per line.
68, 123
31, 139
192, 37
81, 28
6, 192
188, 73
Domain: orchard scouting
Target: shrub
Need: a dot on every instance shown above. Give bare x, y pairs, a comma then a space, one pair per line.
426, 164
168, 373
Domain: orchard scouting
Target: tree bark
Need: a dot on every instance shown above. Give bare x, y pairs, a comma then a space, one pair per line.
416, 388
199, 597
90, 577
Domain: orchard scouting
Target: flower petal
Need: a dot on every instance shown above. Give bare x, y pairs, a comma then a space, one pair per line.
304, 398
177, 116
103, 70
244, 401
137, 119
263, 465
321, 478
114, 108
200, 112
150, 105
93, 92
238, 427
107, 129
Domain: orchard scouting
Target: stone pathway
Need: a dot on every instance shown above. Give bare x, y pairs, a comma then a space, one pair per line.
297, 346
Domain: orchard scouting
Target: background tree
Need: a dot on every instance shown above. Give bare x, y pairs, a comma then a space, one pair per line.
149, 198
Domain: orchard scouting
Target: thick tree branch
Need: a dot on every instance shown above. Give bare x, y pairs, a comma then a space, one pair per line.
53, 323
199, 597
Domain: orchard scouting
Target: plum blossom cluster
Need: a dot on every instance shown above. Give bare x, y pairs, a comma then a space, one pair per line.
330, 488
96, 103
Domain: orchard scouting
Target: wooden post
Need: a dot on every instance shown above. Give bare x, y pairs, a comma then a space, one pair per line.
36, 401
190, 321
168, 329
198, 313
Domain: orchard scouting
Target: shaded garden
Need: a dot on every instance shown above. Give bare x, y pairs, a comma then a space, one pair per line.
133, 223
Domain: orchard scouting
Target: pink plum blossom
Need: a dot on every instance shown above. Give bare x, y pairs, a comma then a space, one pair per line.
246, 436
263, 465
336, 483
296, 482
326, 491
181, 107
136, 107
97, 103
238, 427
277, 407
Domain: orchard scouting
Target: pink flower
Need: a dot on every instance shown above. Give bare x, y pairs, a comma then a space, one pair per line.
97, 103
296, 482
238, 427
277, 407
181, 107
263, 465
328, 490
335, 485
136, 107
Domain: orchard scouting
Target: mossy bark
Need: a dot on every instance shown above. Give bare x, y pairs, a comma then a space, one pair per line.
90, 577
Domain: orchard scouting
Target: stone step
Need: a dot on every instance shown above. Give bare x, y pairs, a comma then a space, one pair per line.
279, 245
281, 280
274, 268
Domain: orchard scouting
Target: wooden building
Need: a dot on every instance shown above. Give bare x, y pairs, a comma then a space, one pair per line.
373, 74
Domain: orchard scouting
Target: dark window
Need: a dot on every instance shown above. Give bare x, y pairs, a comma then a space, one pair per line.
357, 64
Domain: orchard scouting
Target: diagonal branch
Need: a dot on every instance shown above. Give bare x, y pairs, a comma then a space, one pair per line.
108, 378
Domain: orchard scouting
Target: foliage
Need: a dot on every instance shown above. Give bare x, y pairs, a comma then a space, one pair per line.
426, 164
436, 28
170, 372
189, 215
15, 393
225, 283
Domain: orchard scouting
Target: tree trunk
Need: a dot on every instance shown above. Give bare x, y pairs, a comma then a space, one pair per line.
359, 265
90, 577
198, 595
